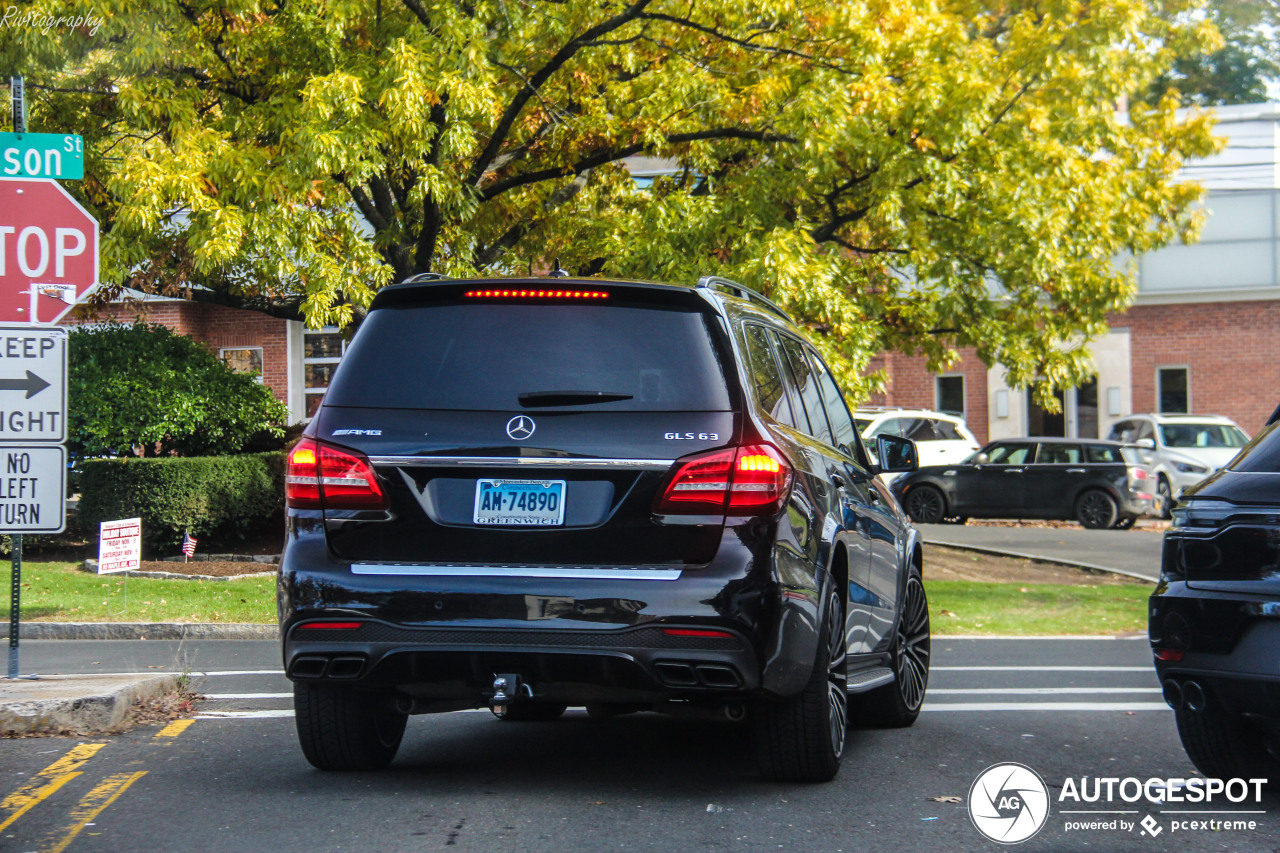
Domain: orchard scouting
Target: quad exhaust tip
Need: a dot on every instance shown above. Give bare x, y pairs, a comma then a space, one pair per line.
1187, 694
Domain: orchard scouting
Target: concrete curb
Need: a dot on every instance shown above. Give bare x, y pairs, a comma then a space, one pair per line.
141, 631
76, 702
1039, 558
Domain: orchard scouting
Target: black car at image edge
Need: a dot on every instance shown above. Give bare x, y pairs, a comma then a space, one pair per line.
526, 494
1214, 618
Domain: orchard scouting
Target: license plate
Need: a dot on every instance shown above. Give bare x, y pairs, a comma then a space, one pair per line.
523, 503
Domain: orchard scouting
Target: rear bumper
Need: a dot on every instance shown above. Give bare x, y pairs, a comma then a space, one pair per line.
437, 633
1227, 642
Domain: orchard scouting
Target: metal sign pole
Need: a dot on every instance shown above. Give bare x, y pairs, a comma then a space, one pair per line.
15, 596
15, 592
19, 104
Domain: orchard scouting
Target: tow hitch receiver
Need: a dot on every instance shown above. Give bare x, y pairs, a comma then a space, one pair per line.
507, 687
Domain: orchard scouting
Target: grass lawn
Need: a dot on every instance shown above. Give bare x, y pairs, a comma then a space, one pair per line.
968, 607
58, 592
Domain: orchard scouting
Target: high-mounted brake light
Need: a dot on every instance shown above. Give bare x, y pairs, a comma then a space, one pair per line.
737, 480
320, 475
536, 294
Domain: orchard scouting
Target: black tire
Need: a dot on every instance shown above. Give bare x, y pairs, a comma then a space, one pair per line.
341, 728
1125, 523
897, 705
531, 712
1165, 493
925, 505
801, 738
1225, 746
1097, 510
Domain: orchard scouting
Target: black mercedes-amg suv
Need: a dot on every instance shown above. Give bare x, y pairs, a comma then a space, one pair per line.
532, 493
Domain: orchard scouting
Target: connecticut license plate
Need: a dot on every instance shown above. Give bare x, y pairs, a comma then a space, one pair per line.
534, 503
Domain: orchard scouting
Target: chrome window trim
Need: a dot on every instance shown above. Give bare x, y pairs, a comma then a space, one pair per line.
420, 570
522, 462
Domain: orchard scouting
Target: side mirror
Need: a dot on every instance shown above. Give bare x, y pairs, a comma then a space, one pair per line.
1146, 443
897, 455
982, 458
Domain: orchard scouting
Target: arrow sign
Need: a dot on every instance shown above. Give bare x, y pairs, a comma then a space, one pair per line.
33, 385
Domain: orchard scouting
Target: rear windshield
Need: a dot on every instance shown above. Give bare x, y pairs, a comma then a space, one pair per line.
1262, 454
484, 357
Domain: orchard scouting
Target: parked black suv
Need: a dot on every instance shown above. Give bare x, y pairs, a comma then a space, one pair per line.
1098, 483
1215, 615
527, 494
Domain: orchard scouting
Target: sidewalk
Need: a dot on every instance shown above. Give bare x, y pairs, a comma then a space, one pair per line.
81, 703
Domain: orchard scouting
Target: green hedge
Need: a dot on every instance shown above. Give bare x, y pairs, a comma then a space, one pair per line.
214, 497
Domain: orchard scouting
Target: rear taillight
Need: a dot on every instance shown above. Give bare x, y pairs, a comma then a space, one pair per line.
320, 475
749, 480
1136, 473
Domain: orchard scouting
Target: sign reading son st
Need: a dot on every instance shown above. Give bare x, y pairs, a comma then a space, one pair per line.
42, 155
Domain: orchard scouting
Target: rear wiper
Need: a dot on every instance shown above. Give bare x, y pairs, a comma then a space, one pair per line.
532, 399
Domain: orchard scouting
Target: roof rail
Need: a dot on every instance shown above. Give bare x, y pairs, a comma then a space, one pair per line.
715, 282
425, 276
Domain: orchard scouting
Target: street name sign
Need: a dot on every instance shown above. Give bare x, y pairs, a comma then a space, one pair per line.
42, 155
48, 251
119, 545
33, 493
33, 384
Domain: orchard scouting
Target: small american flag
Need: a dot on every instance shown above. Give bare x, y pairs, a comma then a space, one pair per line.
188, 545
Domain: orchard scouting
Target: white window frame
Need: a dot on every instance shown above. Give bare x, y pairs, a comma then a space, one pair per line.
964, 394
306, 360
222, 356
1185, 368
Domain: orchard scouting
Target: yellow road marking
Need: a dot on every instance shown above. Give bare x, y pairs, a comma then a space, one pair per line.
44, 783
92, 805
175, 728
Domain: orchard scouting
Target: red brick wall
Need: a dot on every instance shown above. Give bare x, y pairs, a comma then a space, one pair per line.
911, 385
216, 326
1231, 348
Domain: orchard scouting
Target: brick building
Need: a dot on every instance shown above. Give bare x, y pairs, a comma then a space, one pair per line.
1203, 335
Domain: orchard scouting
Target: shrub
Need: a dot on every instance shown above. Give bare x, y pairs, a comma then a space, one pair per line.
214, 497
144, 389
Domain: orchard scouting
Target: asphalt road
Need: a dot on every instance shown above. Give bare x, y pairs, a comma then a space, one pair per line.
1134, 552
235, 780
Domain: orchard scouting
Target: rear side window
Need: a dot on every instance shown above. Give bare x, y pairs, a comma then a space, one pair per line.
837, 412
1262, 454
947, 431
1058, 454
1102, 453
483, 357
764, 374
807, 384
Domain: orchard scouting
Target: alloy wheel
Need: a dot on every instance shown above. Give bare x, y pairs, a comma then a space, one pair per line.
1097, 511
925, 505
837, 678
913, 646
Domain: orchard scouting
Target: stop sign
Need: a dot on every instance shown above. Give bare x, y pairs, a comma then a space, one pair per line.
48, 251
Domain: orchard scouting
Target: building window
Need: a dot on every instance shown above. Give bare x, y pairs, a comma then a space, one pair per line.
243, 359
1173, 394
950, 394
321, 351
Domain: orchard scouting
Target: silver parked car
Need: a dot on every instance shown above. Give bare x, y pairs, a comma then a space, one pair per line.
1180, 450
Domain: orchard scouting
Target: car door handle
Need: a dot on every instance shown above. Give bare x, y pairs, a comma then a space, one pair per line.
1076, 471
1013, 470
838, 480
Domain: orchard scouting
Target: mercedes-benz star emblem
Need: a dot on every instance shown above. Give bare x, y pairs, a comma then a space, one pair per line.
520, 427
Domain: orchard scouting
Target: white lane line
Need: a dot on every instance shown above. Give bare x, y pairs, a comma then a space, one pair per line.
243, 715
247, 695
1047, 706
1150, 669
1038, 691
238, 672
1108, 637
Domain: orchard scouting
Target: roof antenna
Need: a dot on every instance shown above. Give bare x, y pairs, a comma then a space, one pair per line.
557, 272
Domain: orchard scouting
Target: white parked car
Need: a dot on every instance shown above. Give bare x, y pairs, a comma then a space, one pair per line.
940, 439
1180, 450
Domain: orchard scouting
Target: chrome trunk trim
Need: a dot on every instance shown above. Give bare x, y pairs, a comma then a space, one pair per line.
522, 462
427, 570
